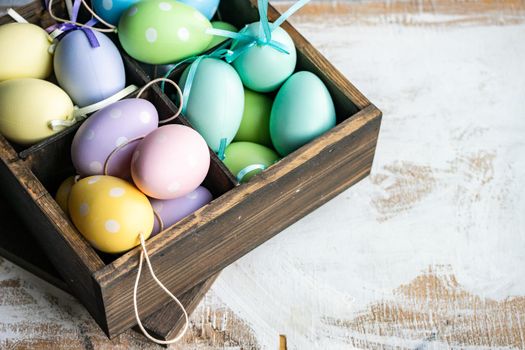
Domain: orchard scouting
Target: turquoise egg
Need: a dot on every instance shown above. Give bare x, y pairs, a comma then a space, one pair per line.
216, 101
206, 7
302, 111
163, 31
111, 10
262, 68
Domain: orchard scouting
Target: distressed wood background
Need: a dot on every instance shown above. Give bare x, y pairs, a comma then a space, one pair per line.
426, 253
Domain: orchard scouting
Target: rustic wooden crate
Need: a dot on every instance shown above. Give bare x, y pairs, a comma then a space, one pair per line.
238, 220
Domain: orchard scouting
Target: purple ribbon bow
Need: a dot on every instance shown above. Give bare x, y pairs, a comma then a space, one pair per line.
68, 27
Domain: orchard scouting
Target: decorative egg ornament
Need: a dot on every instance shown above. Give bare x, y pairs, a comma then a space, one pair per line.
26, 109
109, 128
170, 162
246, 159
302, 111
215, 102
206, 7
163, 31
111, 10
263, 68
219, 39
110, 213
25, 54
63, 192
88, 74
255, 124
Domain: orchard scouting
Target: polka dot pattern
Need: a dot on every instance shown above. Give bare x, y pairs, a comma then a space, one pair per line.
95, 167
115, 113
107, 4
164, 6
112, 226
90, 135
145, 117
117, 192
94, 179
173, 187
183, 34
151, 35
84, 209
121, 140
133, 11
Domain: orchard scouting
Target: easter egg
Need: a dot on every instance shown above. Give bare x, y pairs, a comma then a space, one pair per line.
217, 39
110, 213
215, 102
255, 124
28, 105
206, 7
302, 111
245, 159
63, 192
88, 74
163, 31
24, 49
262, 68
111, 10
108, 129
170, 162
173, 210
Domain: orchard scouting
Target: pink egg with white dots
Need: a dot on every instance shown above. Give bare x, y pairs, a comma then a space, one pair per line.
170, 162
109, 128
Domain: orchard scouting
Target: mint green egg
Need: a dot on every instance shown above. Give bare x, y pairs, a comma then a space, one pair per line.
302, 110
215, 102
262, 68
245, 159
255, 124
163, 31
219, 39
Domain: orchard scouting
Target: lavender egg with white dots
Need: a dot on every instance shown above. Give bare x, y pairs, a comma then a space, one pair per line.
113, 126
173, 210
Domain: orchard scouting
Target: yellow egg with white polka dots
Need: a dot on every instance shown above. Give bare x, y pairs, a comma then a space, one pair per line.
110, 213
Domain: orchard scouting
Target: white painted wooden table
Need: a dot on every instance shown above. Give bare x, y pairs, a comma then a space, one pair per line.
426, 253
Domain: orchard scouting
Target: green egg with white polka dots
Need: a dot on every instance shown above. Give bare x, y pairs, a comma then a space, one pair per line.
163, 31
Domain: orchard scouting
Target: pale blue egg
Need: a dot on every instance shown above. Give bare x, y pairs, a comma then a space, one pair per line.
88, 74
303, 110
216, 101
111, 10
206, 7
262, 68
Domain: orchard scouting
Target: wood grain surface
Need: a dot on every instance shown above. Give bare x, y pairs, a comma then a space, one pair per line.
427, 253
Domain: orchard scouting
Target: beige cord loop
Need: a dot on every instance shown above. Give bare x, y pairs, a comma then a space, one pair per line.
111, 28
159, 219
144, 254
118, 148
179, 91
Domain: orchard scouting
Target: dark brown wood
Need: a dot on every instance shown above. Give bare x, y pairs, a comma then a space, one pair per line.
237, 221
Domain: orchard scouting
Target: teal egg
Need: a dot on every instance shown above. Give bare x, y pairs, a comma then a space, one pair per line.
111, 10
215, 102
262, 68
302, 111
163, 31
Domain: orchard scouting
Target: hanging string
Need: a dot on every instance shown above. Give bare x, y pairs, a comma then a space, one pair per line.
179, 92
111, 28
144, 255
116, 149
159, 219
81, 113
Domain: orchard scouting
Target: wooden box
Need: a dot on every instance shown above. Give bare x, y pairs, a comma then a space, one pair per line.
238, 220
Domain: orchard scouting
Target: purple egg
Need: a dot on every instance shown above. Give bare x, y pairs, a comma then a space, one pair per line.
88, 74
173, 210
109, 128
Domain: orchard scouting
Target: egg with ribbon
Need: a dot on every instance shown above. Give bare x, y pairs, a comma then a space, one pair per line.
217, 39
303, 110
111, 10
172, 210
113, 126
255, 124
263, 67
163, 31
25, 52
110, 213
27, 106
206, 7
245, 159
88, 74
215, 100
63, 192
170, 162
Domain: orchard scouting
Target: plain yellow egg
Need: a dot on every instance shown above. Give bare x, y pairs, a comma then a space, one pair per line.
24, 51
28, 105
110, 213
63, 192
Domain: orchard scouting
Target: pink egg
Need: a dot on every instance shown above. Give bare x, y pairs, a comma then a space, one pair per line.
170, 162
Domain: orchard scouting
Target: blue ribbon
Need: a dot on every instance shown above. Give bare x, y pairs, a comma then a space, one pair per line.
68, 27
245, 171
